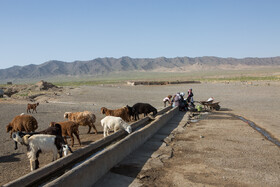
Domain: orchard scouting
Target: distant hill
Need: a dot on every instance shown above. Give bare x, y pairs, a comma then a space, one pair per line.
103, 66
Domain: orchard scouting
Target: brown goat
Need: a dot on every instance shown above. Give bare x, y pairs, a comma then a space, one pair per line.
22, 122
68, 128
85, 118
121, 112
32, 106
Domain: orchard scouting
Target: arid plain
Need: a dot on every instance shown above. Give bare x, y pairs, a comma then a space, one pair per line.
257, 101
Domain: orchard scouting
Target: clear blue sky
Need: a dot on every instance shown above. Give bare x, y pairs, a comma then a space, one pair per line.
36, 31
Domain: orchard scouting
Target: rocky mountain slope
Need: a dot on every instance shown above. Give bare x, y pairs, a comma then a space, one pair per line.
101, 66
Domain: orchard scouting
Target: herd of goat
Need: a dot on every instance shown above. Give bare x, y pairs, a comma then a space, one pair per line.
54, 138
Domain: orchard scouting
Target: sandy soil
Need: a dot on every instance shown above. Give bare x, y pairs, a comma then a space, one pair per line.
219, 150
257, 101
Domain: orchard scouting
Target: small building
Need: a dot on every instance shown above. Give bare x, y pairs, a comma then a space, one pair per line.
9, 83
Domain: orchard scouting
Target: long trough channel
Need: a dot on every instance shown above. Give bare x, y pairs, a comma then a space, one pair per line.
260, 130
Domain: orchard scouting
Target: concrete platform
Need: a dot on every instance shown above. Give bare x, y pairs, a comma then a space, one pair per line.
145, 157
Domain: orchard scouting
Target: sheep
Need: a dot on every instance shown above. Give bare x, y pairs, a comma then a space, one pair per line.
68, 128
145, 108
85, 118
32, 106
121, 112
25, 123
112, 122
39, 143
54, 130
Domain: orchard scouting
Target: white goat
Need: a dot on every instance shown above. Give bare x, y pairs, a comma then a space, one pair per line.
42, 143
112, 122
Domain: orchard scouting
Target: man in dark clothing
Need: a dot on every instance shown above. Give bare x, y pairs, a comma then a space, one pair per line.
190, 97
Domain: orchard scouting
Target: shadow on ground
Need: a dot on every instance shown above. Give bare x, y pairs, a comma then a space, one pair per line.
10, 158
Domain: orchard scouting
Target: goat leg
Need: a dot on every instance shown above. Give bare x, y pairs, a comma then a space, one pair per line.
36, 164
95, 129
105, 131
16, 145
89, 128
77, 136
72, 139
31, 165
60, 153
37, 161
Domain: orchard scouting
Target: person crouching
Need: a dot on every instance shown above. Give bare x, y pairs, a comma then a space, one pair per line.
167, 100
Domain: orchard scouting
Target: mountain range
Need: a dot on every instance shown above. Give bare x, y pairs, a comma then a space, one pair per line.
103, 66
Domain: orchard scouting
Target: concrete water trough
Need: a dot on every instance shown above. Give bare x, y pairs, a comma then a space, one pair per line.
88, 164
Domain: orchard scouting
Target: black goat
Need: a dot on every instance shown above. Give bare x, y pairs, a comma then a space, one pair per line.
143, 108
56, 130
131, 111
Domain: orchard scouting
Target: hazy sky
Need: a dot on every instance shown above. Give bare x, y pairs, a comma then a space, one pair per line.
33, 32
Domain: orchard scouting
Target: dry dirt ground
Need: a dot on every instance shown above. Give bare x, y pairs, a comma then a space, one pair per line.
219, 150
256, 101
